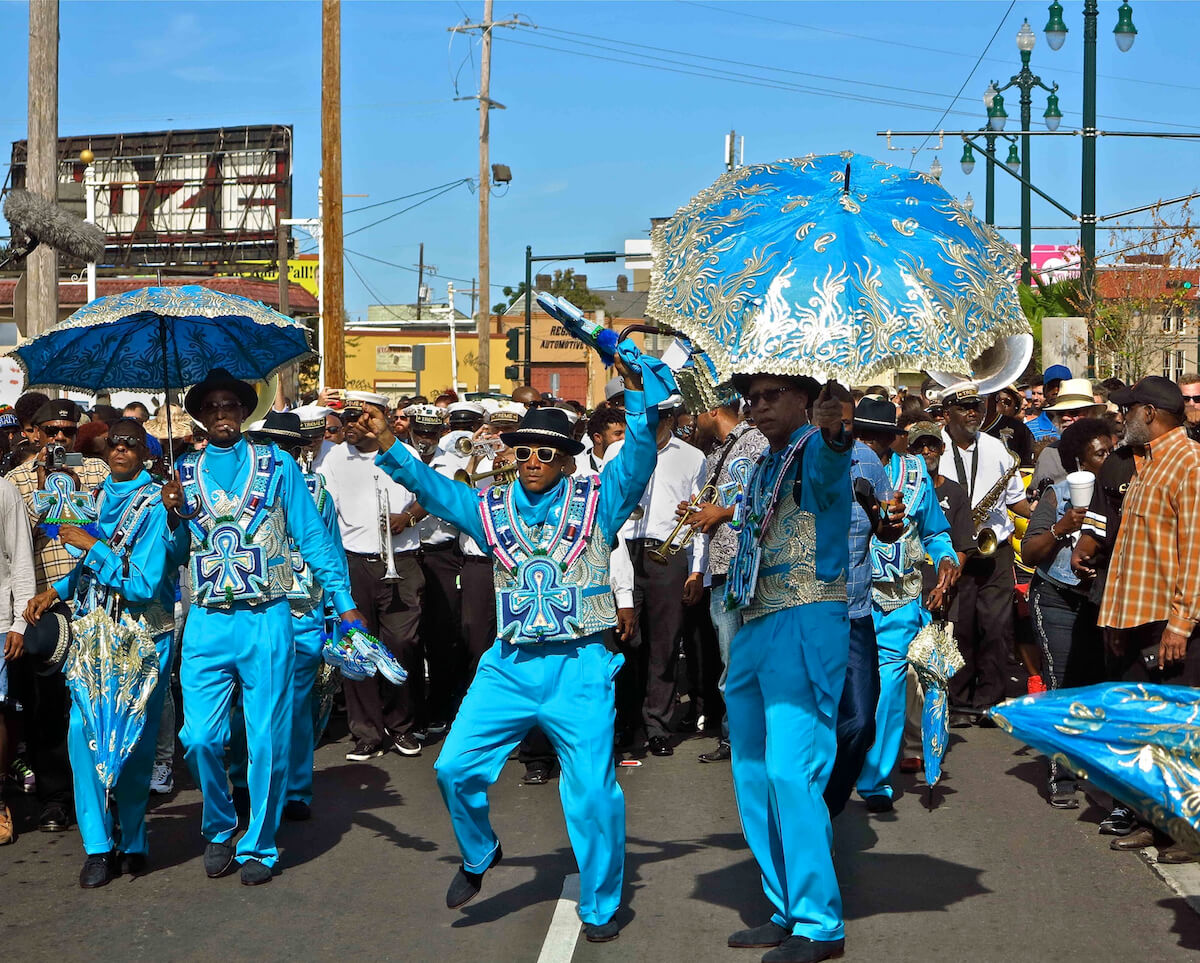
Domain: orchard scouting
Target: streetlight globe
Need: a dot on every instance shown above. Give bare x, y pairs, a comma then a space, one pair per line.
997, 115
967, 161
935, 169
1056, 28
989, 95
1013, 160
968, 203
1026, 38
1124, 32
86, 157
1052, 116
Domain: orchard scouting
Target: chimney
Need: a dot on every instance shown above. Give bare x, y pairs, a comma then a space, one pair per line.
542, 282
622, 283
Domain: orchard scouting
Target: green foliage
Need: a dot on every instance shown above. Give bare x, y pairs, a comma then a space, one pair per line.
564, 285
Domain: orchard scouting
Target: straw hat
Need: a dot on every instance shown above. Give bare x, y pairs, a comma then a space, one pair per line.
182, 424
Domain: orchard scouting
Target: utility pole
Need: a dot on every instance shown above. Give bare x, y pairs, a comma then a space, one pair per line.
420, 277
332, 293
41, 171
483, 320
453, 337
1087, 180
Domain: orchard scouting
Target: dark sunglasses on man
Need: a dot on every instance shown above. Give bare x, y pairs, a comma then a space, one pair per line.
128, 442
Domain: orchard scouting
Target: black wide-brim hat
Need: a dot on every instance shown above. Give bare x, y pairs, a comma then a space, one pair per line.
220, 380
874, 414
282, 428
544, 426
810, 386
48, 642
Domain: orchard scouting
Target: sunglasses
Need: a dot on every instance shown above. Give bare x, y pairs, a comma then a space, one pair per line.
67, 431
545, 454
127, 442
925, 444
1191, 399
968, 405
221, 408
767, 395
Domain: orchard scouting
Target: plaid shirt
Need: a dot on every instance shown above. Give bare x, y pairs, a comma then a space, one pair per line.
51, 561
1155, 570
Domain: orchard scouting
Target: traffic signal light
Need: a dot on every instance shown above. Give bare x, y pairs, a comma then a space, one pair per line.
512, 372
513, 351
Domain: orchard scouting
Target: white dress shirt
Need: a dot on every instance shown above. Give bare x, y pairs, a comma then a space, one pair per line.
17, 581
432, 529
353, 479
992, 464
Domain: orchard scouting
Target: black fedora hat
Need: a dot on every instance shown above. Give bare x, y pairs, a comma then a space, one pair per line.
280, 427
874, 414
544, 426
48, 642
810, 386
218, 379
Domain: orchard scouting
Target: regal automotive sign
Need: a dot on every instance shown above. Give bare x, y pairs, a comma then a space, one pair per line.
210, 197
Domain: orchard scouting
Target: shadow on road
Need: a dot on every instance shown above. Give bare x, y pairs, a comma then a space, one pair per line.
1186, 925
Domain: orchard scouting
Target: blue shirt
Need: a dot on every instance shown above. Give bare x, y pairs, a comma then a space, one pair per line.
1042, 427
927, 515
864, 463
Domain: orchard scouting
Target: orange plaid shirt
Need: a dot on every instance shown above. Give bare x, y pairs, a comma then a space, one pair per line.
1154, 574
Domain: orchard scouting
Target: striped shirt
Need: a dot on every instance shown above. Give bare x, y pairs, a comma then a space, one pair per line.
1154, 574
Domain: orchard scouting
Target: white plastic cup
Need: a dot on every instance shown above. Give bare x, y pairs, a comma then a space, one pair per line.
1082, 484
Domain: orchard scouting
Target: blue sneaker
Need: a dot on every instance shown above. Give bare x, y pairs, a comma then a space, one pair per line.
371, 650
344, 657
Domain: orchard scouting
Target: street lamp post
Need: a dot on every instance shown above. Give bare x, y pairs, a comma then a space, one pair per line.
88, 160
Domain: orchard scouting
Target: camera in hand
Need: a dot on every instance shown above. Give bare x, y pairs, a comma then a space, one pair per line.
58, 458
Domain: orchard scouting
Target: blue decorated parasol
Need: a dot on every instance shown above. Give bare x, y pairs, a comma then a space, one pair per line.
836, 266
935, 657
1140, 743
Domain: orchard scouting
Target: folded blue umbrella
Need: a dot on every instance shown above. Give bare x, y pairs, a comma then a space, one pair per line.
1140, 743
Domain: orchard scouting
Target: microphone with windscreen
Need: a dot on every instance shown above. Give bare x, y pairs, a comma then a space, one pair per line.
35, 220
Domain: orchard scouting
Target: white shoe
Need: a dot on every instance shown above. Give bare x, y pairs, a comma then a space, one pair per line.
162, 780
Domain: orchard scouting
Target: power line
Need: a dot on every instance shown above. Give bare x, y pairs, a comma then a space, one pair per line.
405, 197
405, 210
413, 270
371, 291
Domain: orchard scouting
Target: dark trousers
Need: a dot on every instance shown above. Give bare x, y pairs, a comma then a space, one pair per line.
648, 676
1128, 666
984, 630
441, 633
856, 713
702, 661
392, 611
478, 610
1072, 650
47, 705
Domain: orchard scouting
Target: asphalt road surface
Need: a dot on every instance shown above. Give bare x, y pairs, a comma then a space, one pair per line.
992, 873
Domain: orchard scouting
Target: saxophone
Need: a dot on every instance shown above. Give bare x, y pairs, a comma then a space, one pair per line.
986, 539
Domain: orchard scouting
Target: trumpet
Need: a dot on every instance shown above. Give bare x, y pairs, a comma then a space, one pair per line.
504, 475
674, 543
479, 449
385, 536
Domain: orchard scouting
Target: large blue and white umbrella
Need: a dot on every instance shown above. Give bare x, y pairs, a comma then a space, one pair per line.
158, 338
834, 266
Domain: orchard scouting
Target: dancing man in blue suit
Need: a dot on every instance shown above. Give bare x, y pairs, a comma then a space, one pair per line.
136, 559
246, 505
896, 605
788, 661
549, 537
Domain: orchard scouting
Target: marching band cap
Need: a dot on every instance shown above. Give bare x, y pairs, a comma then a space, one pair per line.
366, 398
571, 413
960, 392
876, 415
1154, 390
544, 426
465, 411
426, 417
312, 420
509, 413
923, 429
57, 409
280, 427
673, 400
219, 380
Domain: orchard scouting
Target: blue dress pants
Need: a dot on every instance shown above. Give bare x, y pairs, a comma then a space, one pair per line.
133, 784
253, 648
567, 690
894, 632
309, 632
785, 679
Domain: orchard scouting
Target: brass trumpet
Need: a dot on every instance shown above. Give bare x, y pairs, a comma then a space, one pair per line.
504, 475
480, 449
674, 544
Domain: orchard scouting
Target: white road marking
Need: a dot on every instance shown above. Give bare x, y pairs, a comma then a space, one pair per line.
564, 927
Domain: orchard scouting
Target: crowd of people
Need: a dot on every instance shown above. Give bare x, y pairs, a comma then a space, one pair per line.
678, 570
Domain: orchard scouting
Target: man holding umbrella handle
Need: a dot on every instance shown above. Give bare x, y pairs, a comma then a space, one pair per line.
250, 506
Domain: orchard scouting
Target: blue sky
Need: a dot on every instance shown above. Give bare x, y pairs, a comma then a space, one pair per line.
597, 147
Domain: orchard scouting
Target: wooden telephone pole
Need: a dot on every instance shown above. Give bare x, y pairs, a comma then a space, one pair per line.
483, 316
41, 170
332, 289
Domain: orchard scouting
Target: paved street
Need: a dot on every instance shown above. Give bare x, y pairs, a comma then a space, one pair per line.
992, 874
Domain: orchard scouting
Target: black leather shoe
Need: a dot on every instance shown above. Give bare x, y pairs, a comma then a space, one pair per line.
297, 810
879, 804
97, 871
255, 873
536, 775
986, 722
601, 932
132, 864
960, 720
720, 754
661, 746
799, 949
54, 819
465, 885
759, 937
218, 859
